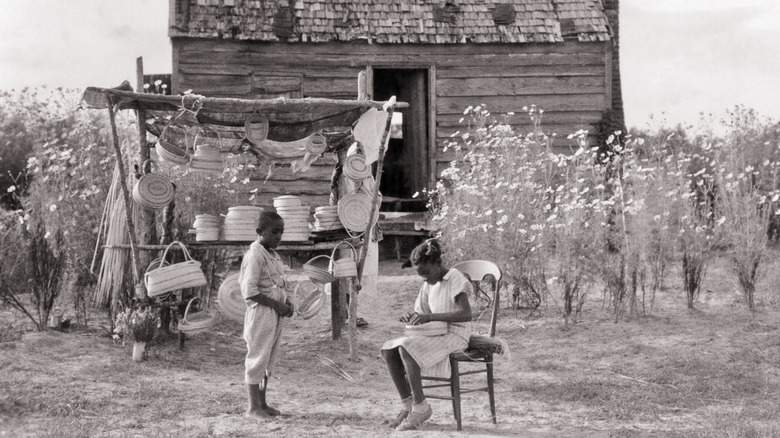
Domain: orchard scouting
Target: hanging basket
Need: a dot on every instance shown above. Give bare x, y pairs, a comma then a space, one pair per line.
197, 322
354, 211
163, 279
314, 300
356, 167
316, 272
172, 143
317, 144
256, 128
153, 191
345, 267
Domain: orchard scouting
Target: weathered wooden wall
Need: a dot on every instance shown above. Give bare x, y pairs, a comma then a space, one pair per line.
568, 81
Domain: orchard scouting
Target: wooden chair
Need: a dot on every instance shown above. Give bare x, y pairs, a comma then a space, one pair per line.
476, 270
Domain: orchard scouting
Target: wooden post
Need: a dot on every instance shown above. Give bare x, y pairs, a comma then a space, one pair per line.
146, 228
355, 287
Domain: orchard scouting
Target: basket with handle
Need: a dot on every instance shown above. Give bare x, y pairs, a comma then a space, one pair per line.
198, 322
344, 267
163, 279
316, 273
153, 191
312, 302
167, 143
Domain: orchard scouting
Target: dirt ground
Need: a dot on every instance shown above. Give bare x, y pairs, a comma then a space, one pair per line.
714, 371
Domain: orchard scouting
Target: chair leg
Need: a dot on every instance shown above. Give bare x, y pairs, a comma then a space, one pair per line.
491, 394
455, 389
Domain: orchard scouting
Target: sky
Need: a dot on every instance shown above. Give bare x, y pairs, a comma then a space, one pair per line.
679, 58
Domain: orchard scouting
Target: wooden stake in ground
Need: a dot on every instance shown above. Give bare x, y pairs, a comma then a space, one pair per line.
353, 291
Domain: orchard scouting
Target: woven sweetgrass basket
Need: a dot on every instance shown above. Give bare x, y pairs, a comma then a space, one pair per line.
197, 322
354, 211
433, 328
316, 272
312, 302
153, 191
356, 167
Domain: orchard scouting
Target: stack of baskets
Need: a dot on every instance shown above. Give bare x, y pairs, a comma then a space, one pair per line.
231, 303
206, 227
296, 218
326, 218
240, 223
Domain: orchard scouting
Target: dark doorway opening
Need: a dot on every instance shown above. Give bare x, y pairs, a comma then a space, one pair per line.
406, 164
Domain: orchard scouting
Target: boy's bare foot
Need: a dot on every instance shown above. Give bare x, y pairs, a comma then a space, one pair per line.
258, 414
271, 411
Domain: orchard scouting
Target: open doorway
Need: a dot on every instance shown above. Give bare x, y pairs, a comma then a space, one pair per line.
406, 167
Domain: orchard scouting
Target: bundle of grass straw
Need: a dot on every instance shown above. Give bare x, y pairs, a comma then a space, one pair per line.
113, 226
497, 346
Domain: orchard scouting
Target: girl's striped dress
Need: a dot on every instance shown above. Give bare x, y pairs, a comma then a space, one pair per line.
432, 352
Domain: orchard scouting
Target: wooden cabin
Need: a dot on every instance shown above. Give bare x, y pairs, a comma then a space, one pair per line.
440, 57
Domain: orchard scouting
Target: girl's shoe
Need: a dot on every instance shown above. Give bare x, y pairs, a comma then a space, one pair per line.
399, 419
415, 419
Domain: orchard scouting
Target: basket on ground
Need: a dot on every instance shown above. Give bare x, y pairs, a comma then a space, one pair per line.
197, 322
312, 302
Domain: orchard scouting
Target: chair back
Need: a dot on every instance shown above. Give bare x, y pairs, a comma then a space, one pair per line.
477, 270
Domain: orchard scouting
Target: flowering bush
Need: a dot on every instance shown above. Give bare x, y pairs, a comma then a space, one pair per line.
138, 324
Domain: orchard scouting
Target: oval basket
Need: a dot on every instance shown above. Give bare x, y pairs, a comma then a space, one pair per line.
354, 211
317, 144
256, 128
344, 267
168, 149
153, 191
356, 168
231, 303
314, 300
433, 328
198, 322
316, 273
162, 279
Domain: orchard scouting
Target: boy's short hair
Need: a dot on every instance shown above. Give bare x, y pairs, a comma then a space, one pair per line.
267, 217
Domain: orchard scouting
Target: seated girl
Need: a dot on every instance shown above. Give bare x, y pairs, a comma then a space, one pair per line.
443, 297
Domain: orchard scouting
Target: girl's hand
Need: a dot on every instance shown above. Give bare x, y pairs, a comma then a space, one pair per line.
408, 316
420, 318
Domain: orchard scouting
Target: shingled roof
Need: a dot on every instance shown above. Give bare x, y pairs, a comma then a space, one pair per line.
394, 21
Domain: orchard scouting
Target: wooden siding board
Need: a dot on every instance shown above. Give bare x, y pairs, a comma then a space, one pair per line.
505, 104
520, 86
528, 70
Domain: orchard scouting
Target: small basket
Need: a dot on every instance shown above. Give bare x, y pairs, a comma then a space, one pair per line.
316, 273
356, 168
312, 303
162, 279
198, 322
166, 145
317, 144
344, 267
153, 191
433, 328
256, 128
